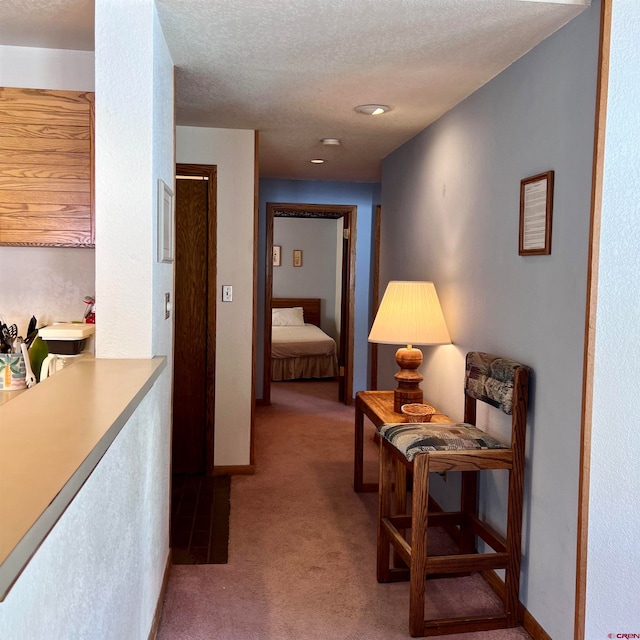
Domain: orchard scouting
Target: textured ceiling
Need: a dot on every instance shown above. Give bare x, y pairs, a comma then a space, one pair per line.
295, 69
52, 24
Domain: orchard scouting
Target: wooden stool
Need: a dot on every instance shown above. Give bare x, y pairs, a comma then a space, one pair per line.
424, 448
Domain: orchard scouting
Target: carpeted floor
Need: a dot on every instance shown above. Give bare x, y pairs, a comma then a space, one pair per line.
302, 543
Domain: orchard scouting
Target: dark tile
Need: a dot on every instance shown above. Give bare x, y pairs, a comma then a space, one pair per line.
181, 556
200, 555
200, 538
200, 519
180, 538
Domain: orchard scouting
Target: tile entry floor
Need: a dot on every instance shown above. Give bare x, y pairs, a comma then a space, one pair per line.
200, 508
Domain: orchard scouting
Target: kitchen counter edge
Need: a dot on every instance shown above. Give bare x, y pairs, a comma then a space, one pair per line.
52, 437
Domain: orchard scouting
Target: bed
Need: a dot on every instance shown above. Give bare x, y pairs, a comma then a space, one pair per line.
299, 348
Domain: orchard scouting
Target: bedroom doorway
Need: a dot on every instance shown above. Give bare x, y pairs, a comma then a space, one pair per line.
194, 317
345, 281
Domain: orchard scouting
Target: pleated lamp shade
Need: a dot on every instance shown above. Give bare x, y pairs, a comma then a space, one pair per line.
409, 314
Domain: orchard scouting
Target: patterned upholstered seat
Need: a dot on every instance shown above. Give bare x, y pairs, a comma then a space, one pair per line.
427, 447
410, 439
488, 378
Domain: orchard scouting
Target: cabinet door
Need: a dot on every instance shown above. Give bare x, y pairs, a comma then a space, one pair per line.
46, 168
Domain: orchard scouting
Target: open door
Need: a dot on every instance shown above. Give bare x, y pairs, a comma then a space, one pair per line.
345, 347
194, 309
345, 318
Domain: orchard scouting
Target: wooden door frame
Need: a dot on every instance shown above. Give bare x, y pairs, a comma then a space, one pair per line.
602, 97
210, 172
348, 213
375, 298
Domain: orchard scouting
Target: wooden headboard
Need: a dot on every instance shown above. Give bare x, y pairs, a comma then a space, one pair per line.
311, 307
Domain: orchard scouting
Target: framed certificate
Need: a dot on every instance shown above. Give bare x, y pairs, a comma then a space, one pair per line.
536, 213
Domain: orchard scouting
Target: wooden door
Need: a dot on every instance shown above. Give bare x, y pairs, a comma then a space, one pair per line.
343, 346
191, 322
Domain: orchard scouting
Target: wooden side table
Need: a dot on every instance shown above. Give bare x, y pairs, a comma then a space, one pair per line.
378, 407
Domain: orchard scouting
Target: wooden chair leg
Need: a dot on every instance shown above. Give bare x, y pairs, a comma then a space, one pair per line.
419, 529
514, 545
385, 481
401, 488
469, 508
400, 505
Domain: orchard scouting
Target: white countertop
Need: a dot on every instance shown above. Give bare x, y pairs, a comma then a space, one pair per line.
51, 438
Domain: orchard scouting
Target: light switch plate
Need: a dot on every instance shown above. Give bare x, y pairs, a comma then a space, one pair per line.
167, 305
227, 293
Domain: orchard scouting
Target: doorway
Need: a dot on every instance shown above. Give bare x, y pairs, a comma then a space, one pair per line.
195, 316
347, 215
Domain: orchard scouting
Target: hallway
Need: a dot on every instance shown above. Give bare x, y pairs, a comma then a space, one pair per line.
302, 543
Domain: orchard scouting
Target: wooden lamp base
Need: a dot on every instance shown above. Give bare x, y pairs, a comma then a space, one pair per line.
408, 390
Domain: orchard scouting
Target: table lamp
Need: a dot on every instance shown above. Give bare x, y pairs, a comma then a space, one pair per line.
409, 314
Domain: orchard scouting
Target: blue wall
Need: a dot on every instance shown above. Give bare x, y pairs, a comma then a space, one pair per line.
365, 196
451, 199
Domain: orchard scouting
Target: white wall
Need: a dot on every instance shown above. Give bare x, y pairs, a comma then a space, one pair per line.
316, 237
49, 283
613, 580
113, 540
134, 148
232, 151
450, 214
97, 574
163, 167
33, 68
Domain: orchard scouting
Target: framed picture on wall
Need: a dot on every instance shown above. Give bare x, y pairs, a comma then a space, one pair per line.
165, 222
277, 252
536, 212
297, 257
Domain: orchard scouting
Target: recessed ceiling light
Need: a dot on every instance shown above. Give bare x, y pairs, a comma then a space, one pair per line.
317, 161
373, 109
330, 142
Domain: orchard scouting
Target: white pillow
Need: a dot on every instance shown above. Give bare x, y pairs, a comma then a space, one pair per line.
291, 317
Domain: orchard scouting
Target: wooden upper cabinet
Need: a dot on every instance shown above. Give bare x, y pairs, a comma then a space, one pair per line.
46, 168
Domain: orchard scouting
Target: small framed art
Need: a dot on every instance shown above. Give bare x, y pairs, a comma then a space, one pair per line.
165, 222
536, 214
297, 257
277, 253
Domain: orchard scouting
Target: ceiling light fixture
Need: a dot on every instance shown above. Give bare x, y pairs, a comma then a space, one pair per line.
330, 142
317, 161
373, 109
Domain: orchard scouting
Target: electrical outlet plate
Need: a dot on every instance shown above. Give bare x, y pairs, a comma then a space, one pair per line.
167, 305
